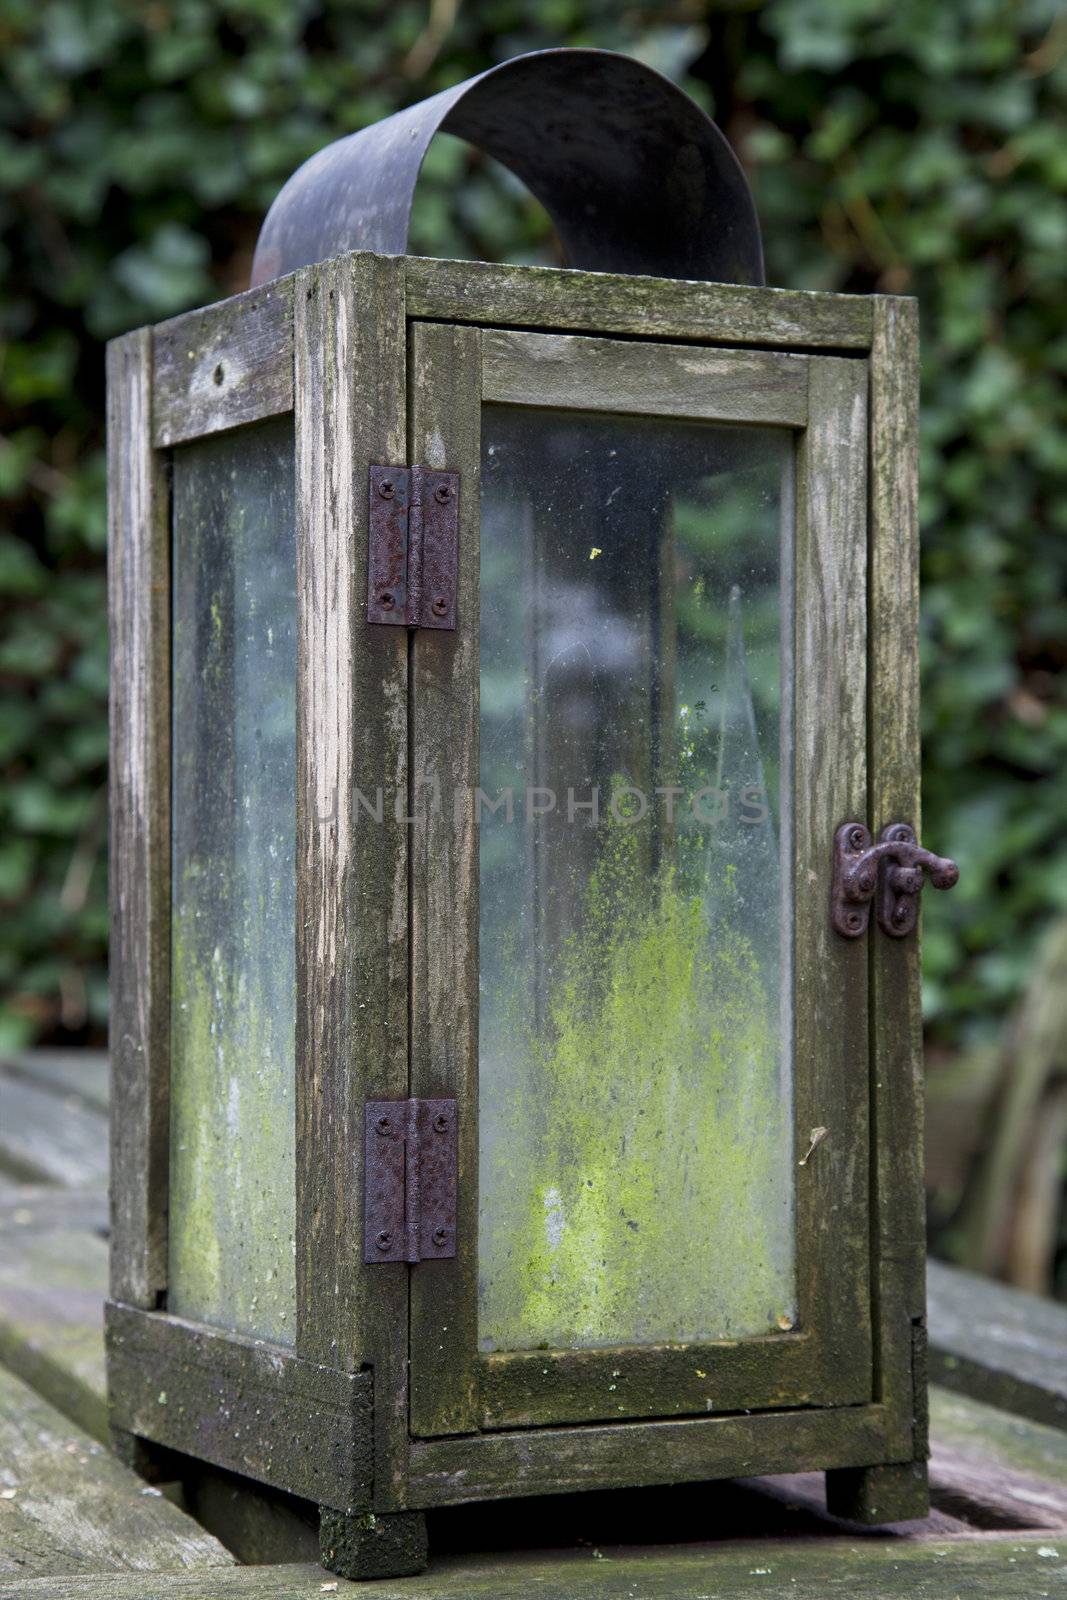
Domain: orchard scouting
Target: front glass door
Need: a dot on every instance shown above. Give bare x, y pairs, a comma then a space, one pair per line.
635, 1076
651, 718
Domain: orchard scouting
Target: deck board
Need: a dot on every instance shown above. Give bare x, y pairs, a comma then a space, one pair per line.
998, 1344
52, 1287
81, 1074
1020, 1568
45, 1137
68, 1506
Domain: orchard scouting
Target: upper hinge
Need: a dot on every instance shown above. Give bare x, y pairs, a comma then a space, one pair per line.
409, 1198
412, 563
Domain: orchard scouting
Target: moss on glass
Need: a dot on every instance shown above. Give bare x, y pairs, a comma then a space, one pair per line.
642, 1188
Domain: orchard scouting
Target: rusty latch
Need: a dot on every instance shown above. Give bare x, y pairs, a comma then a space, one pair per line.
413, 524
893, 869
409, 1199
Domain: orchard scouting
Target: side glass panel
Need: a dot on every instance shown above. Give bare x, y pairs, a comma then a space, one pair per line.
232, 1171
635, 1077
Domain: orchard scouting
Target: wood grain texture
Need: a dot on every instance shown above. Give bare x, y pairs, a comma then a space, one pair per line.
830, 787
77, 1075
352, 894
138, 610
68, 1507
526, 1388
38, 1143
52, 1288
651, 308
250, 1407
1015, 1567
44, 1208
445, 433
225, 365
996, 1469
895, 969
560, 1461
998, 1344
586, 374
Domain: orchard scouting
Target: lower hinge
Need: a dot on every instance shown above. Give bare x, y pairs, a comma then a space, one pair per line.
409, 1196
413, 553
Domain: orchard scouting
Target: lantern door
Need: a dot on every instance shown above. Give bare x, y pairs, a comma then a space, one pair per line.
628, 760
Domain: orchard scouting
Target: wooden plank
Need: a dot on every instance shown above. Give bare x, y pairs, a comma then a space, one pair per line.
559, 1461
225, 365
830, 786
39, 1143
241, 1404
583, 374
998, 1344
895, 969
352, 739
52, 1286
139, 610
994, 1469
445, 399
652, 308
82, 1074
1015, 1568
44, 1208
67, 1506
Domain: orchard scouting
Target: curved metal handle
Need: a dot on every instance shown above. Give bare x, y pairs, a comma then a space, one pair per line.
894, 870
632, 172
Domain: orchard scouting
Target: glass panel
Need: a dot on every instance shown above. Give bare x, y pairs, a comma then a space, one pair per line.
636, 1093
232, 1172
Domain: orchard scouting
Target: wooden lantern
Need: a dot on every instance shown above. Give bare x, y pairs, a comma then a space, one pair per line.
516, 1027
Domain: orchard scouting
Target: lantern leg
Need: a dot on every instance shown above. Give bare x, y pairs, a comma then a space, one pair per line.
894, 1492
372, 1544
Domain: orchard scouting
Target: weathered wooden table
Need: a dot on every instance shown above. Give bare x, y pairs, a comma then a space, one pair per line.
74, 1522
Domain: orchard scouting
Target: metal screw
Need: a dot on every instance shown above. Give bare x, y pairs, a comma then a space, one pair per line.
855, 839
442, 493
383, 1240
853, 919
387, 488
384, 1126
440, 1123
900, 912
386, 601
440, 1237
439, 605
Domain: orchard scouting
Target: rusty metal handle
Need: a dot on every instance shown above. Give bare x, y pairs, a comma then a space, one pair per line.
894, 870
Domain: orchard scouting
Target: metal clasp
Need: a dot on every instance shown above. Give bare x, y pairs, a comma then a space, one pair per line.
893, 870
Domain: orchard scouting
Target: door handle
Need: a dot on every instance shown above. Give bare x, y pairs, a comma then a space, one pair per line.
892, 871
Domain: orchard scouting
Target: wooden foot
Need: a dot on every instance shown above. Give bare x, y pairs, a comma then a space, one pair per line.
370, 1544
897, 1492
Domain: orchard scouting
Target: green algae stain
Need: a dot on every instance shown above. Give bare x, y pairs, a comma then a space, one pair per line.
637, 1187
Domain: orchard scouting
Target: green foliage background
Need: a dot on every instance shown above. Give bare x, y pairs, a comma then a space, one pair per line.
894, 145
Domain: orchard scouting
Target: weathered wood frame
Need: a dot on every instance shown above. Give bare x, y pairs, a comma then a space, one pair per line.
333, 341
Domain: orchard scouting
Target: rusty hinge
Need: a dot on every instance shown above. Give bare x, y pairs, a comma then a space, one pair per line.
409, 1200
414, 542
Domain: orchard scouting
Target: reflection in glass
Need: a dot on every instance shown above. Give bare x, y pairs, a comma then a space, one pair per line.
636, 1123
232, 1172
